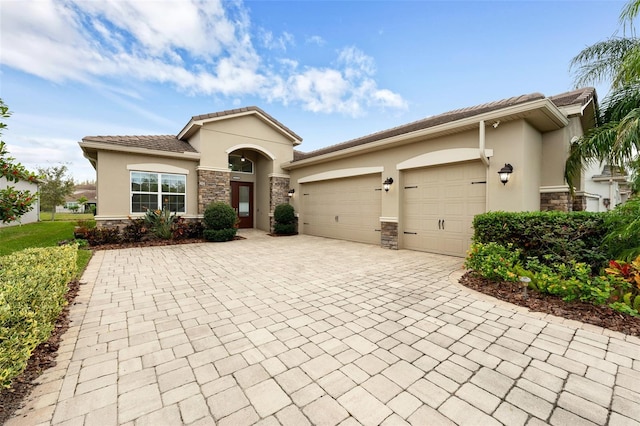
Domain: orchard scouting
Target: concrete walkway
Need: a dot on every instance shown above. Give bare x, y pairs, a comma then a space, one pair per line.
303, 330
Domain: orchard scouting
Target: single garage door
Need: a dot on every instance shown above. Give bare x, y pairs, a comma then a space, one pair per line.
346, 209
439, 205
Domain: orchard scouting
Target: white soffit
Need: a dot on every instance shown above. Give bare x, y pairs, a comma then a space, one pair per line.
157, 167
342, 173
445, 156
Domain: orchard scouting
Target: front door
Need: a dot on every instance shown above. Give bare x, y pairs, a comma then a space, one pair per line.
242, 202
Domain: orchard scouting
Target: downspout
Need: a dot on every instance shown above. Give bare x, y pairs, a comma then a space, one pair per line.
485, 160
483, 155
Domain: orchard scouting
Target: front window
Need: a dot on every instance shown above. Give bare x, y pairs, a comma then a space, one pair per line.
155, 191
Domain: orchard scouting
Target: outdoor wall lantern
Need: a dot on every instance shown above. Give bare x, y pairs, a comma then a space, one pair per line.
505, 173
606, 202
387, 184
291, 192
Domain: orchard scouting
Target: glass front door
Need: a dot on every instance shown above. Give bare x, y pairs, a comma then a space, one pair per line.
242, 202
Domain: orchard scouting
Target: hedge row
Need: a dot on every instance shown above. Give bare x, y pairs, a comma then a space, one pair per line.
552, 237
33, 284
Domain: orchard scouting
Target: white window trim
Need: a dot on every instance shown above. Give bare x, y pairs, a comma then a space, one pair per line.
159, 193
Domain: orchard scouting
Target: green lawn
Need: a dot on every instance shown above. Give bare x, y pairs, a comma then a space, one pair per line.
40, 234
46, 216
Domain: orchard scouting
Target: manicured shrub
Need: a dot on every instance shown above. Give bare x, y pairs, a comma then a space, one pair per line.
284, 213
219, 235
220, 222
219, 215
33, 284
284, 219
552, 237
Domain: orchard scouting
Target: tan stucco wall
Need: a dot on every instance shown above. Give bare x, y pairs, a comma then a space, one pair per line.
262, 191
216, 137
555, 148
113, 182
518, 144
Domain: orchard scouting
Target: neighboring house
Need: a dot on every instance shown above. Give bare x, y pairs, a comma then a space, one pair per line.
83, 190
32, 215
440, 171
603, 189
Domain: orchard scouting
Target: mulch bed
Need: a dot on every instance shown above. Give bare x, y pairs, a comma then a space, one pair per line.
42, 358
154, 243
602, 316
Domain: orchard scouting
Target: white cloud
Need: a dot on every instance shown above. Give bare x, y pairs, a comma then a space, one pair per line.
272, 42
316, 39
199, 47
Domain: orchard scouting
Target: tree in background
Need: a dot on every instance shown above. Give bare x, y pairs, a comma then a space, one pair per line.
54, 187
13, 203
83, 201
616, 137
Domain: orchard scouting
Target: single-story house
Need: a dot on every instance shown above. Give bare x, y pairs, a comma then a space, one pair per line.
71, 204
416, 186
32, 215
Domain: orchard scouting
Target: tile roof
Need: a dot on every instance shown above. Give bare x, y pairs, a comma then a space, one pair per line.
167, 143
245, 109
425, 123
580, 96
574, 97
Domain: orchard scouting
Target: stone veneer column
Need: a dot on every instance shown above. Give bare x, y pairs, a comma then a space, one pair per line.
389, 234
213, 185
279, 185
579, 202
557, 201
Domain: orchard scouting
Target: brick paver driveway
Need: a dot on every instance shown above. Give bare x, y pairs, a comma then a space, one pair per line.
304, 330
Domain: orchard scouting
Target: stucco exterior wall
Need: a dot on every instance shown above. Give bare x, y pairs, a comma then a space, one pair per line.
113, 182
245, 132
516, 142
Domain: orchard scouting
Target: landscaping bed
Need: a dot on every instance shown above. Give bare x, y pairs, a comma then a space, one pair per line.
601, 316
42, 358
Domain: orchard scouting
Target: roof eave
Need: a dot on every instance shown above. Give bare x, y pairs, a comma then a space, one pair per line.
554, 118
194, 125
88, 147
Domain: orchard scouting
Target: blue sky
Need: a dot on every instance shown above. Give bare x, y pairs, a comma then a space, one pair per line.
329, 70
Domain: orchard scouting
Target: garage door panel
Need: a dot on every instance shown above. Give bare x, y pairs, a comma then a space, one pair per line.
347, 209
453, 193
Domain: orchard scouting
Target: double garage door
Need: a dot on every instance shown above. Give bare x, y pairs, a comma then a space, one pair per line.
437, 207
346, 209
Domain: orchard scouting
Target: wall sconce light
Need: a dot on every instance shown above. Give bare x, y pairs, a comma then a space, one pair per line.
291, 192
387, 184
606, 202
505, 173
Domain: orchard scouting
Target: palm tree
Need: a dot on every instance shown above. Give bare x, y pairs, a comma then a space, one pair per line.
616, 137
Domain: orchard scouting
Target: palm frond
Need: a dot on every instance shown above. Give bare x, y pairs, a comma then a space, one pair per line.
591, 147
627, 143
602, 60
620, 102
630, 11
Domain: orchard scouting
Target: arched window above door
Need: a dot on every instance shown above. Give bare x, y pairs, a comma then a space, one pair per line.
238, 163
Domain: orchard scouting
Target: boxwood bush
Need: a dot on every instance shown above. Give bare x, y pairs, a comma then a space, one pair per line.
33, 284
552, 237
285, 219
220, 222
